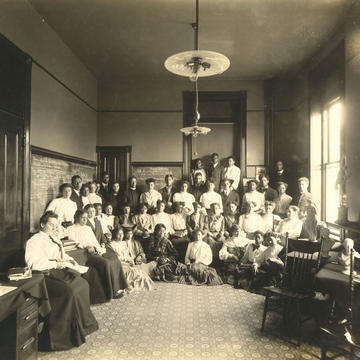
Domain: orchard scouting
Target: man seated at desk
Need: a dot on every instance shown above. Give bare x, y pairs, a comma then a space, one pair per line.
70, 319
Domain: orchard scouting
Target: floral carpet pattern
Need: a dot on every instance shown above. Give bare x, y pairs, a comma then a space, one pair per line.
184, 322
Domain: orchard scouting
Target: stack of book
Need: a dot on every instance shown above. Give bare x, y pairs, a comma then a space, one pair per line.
69, 245
19, 273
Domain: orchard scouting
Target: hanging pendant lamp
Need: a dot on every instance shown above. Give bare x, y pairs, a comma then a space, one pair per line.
194, 64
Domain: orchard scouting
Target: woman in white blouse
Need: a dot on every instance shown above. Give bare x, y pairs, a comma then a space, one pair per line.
93, 197
161, 217
150, 197
198, 258
104, 260
179, 237
269, 221
133, 259
291, 225
70, 318
250, 221
185, 197
64, 208
252, 195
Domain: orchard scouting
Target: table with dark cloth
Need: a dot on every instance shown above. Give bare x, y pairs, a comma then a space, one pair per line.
331, 280
34, 287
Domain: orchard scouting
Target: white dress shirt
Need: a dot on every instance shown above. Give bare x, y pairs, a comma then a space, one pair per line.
293, 227
84, 237
186, 198
178, 221
249, 223
162, 218
41, 252
256, 197
211, 197
198, 252
269, 222
94, 198
251, 254
64, 208
271, 252
150, 198
233, 242
232, 173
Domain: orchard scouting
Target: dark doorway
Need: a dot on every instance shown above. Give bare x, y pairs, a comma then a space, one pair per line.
15, 70
225, 113
115, 160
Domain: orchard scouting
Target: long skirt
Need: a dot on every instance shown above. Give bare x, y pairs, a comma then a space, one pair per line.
180, 244
111, 272
267, 274
200, 274
138, 278
215, 246
70, 319
169, 270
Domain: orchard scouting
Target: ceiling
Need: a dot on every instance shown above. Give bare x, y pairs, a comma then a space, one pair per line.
132, 38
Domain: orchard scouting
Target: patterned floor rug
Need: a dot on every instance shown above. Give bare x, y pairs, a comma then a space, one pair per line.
184, 322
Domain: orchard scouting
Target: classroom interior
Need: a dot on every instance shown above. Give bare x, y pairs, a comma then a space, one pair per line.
84, 77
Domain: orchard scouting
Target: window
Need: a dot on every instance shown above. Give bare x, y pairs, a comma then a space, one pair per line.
325, 158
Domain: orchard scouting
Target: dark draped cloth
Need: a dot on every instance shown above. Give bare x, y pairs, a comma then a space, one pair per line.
70, 319
167, 267
200, 274
110, 271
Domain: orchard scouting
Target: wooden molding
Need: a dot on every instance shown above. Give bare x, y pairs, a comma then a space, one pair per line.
56, 155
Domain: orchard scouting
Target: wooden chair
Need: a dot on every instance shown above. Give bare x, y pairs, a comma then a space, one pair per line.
302, 261
346, 332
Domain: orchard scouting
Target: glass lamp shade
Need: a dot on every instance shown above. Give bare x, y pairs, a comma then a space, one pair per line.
195, 130
197, 63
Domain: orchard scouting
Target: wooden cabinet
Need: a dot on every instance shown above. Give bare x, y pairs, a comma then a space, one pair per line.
27, 331
19, 333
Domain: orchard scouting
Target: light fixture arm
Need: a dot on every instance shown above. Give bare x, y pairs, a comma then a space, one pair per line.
195, 26
197, 114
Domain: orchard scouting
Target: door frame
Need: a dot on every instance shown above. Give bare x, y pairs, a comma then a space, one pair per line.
24, 122
238, 99
113, 150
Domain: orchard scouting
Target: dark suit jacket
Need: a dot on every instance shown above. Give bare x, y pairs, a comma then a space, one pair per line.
275, 178
270, 193
115, 201
197, 191
131, 197
226, 200
100, 237
104, 193
202, 225
77, 198
215, 175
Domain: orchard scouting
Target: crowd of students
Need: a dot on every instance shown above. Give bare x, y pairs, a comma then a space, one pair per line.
200, 234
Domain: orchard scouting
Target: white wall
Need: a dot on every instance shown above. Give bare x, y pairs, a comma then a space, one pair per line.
146, 99
59, 121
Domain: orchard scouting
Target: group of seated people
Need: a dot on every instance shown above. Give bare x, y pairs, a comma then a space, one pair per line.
201, 237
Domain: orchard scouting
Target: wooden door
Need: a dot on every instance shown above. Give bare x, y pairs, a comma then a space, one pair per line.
15, 73
115, 160
11, 180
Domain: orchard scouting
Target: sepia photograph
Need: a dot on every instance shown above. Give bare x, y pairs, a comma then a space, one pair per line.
179, 179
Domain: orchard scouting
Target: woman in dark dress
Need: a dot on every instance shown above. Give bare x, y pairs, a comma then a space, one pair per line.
102, 257
163, 252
